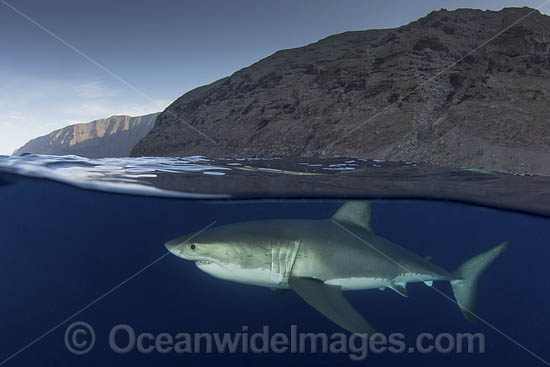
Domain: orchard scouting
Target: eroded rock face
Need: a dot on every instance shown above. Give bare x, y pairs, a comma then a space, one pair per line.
111, 137
432, 91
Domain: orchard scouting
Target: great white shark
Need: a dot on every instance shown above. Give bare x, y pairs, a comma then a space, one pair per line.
321, 258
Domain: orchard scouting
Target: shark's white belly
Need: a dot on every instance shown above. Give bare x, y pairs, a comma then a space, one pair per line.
262, 277
273, 277
357, 283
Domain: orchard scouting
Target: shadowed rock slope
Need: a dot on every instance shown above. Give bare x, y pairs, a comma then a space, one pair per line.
415, 93
111, 137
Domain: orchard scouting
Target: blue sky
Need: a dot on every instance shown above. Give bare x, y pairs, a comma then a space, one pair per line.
152, 52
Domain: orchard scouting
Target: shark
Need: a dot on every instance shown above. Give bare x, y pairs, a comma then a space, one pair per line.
319, 259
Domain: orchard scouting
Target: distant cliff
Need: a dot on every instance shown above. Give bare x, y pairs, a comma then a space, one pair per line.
371, 94
111, 137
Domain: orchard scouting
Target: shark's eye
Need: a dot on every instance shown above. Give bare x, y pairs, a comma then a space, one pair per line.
193, 247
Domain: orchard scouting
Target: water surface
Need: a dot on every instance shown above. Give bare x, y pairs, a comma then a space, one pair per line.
93, 255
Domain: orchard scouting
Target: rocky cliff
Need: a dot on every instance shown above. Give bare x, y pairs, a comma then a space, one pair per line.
111, 137
414, 93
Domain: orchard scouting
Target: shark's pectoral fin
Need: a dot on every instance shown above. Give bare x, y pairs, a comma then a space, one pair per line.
399, 288
330, 301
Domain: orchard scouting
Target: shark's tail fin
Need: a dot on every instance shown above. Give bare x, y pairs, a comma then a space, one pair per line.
465, 289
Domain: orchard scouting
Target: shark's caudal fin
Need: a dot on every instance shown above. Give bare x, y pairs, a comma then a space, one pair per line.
465, 289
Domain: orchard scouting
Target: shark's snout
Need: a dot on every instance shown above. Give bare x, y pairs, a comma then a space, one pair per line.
176, 247
171, 246
181, 248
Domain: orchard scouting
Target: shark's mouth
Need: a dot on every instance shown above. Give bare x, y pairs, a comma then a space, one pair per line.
203, 262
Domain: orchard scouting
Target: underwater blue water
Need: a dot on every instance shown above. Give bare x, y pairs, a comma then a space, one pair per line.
63, 247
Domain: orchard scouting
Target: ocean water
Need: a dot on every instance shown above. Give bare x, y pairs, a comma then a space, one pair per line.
82, 242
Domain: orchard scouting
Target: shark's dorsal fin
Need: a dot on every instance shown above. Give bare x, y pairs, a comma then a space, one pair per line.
357, 213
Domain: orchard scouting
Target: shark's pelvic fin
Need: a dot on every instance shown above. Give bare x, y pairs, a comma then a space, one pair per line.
400, 288
279, 291
465, 289
357, 213
330, 301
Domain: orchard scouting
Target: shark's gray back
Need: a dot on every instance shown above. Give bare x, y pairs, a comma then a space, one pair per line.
328, 250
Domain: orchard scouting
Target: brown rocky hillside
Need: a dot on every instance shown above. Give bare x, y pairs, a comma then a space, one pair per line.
111, 137
490, 110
